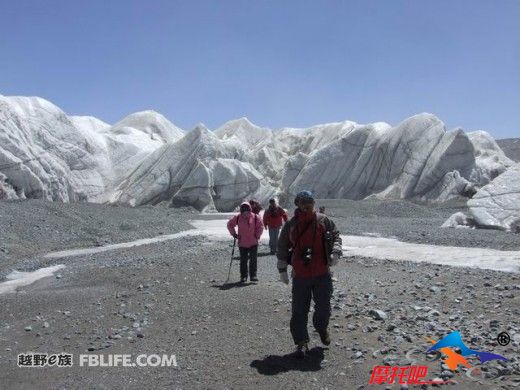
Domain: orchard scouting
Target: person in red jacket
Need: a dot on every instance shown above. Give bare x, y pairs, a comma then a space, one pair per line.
310, 243
255, 206
250, 230
274, 217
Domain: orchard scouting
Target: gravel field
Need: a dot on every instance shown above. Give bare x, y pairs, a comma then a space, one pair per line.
34, 227
412, 222
169, 298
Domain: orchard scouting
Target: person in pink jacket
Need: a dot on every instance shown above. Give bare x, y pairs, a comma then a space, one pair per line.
250, 229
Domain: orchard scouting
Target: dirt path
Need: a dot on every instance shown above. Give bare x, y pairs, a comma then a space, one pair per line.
168, 298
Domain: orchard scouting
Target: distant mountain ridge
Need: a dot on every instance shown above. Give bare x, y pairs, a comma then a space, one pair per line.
146, 159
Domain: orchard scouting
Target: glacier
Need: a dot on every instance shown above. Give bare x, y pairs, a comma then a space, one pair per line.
200, 170
495, 205
46, 154
146, 159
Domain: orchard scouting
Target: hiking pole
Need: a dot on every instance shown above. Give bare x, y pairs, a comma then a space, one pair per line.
231, 262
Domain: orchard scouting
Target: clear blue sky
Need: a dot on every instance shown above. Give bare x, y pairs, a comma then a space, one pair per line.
280, 63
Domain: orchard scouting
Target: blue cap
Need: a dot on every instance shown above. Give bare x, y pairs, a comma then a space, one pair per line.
303, 195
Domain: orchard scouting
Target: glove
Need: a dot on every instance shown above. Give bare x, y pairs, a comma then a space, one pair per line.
334, 258
284, 277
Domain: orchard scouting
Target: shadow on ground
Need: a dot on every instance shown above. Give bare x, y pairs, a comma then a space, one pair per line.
260, 254
229, 286
275, 364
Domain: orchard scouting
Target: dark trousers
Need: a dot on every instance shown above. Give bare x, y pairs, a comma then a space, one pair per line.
303, 289
273, 238
245, 254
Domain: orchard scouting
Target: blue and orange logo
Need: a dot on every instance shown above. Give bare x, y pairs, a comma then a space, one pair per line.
454, 359
416, 374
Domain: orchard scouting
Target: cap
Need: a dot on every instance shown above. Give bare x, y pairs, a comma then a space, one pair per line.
303, 195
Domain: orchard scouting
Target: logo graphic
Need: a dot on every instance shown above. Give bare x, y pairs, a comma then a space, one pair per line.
454, 359
503, 339
451, 349
410, 375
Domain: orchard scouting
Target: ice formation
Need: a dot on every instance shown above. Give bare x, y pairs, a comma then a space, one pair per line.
145, 159
46, 154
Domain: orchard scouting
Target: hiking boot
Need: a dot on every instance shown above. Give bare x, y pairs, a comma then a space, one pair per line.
325, 337
301, 350
243, 279
254, 279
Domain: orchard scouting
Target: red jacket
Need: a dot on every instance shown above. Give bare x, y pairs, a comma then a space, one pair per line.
255, 206
307, 231
275, 218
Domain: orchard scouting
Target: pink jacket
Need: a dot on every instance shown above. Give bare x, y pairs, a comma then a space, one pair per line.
250, 228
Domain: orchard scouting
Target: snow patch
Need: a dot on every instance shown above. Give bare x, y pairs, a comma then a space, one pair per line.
370, 245
392, 249
123, 245
214, 229
18, 279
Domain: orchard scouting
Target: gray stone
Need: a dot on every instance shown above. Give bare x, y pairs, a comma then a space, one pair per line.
379, 315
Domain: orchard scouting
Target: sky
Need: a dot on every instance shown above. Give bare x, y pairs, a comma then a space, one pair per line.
279, 63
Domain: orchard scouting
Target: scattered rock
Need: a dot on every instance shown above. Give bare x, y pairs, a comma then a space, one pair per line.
379, 315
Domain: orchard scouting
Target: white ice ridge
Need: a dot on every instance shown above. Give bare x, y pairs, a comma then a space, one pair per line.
146, 159
18, 279
496, 205
393, 249
46, 154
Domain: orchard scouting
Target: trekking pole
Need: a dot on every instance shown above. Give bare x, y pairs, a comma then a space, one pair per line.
231, 262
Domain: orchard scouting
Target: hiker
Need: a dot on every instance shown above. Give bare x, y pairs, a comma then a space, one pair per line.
250, 229
310, 243
274, 217
255, 206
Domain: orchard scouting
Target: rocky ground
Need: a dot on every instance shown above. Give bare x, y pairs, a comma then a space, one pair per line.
169, 298
34, 227
412, 222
